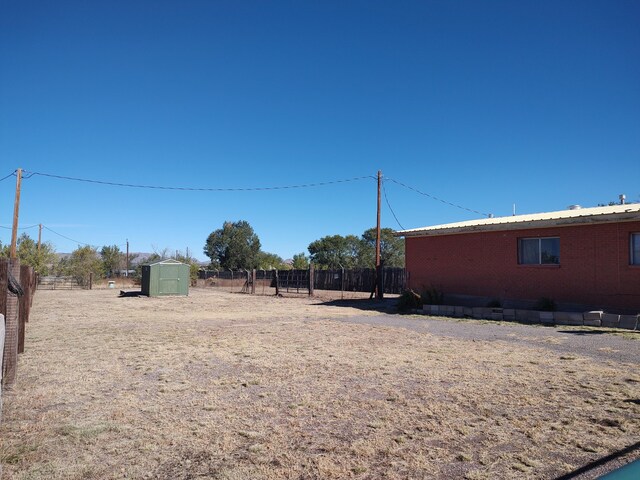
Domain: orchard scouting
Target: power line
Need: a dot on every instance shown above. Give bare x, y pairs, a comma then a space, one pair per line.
10, 175
438, 199
65, 237
195, 189
389, 205
21, 228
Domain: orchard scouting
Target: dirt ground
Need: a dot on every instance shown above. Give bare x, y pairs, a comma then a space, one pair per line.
230, 386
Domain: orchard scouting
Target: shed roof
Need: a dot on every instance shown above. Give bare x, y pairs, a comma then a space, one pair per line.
613, 213
168, 261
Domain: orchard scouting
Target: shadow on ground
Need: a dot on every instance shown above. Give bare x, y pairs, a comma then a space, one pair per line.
584, 332
133, 293
598, 332
603, 461
382, 306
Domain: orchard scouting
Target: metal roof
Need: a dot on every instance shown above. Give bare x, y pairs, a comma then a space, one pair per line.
168, 261
614, 213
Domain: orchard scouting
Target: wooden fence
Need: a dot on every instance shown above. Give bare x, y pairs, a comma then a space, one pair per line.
304, 281
360, 279
17, 287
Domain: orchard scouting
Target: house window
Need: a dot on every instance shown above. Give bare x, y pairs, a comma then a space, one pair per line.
539, 251
635, 249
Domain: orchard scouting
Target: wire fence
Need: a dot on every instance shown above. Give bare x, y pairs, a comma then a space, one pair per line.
60, 283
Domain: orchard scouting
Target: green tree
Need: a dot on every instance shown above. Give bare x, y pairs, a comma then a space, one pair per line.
335, 251
83, 262
269, 261
193, 266
27, 250
391, 249
234, 246
300, 261
112, 259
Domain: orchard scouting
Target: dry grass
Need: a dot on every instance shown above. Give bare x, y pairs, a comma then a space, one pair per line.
229, 386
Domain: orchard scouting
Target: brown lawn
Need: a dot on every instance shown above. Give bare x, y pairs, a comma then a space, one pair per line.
230, 386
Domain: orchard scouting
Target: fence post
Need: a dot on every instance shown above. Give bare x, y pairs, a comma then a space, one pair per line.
4, 291
90, 280
1, 359
4, 279
380, 282
25, 302
253, 281
277, 282
311, 279
10, 354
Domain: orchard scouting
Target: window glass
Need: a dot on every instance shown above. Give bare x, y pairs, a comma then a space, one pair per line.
635, 249
550, 250
529, 251
539, 251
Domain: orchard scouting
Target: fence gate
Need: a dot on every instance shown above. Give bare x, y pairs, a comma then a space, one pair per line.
291, 281
59, 283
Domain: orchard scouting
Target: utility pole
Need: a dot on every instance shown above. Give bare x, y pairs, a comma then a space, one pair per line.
379, 292
16, 209
39, 237
378, 222
127, 262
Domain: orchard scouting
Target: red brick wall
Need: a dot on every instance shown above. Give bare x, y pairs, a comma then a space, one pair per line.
594, 265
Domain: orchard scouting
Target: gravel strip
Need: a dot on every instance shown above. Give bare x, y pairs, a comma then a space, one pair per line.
593, 343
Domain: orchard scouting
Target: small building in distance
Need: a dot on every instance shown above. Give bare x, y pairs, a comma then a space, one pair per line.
579, 258
167, 277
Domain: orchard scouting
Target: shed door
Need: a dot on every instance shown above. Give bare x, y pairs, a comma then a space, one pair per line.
169, 280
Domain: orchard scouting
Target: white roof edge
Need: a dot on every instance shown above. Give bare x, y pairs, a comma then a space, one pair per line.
167, 260
613, 213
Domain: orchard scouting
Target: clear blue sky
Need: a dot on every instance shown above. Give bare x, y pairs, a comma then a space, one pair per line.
480, 103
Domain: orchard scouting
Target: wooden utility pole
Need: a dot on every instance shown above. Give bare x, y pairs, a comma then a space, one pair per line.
379, 292
16, 208
127, 262
378, 222
39, 237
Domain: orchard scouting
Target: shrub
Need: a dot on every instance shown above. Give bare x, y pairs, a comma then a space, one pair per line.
495, 303
545, 304
432, 296
409, 300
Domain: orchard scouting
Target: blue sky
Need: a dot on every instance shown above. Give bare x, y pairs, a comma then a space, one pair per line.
483, 104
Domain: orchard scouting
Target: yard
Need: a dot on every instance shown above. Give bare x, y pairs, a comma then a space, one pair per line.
231, 386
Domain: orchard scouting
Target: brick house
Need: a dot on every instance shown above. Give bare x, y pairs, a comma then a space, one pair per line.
580, 258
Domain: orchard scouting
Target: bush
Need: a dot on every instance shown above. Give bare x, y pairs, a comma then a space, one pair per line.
432, 296
545, 304
409, 300
495, 303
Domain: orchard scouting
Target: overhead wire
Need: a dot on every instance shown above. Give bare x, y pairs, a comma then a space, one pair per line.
29, 174
10, 175
67, 238
438, 199
386, 198
20, 228
198, 189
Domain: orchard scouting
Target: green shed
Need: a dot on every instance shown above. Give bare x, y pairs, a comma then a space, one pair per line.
168, 277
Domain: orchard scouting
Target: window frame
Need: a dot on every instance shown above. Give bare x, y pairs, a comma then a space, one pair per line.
539, 263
